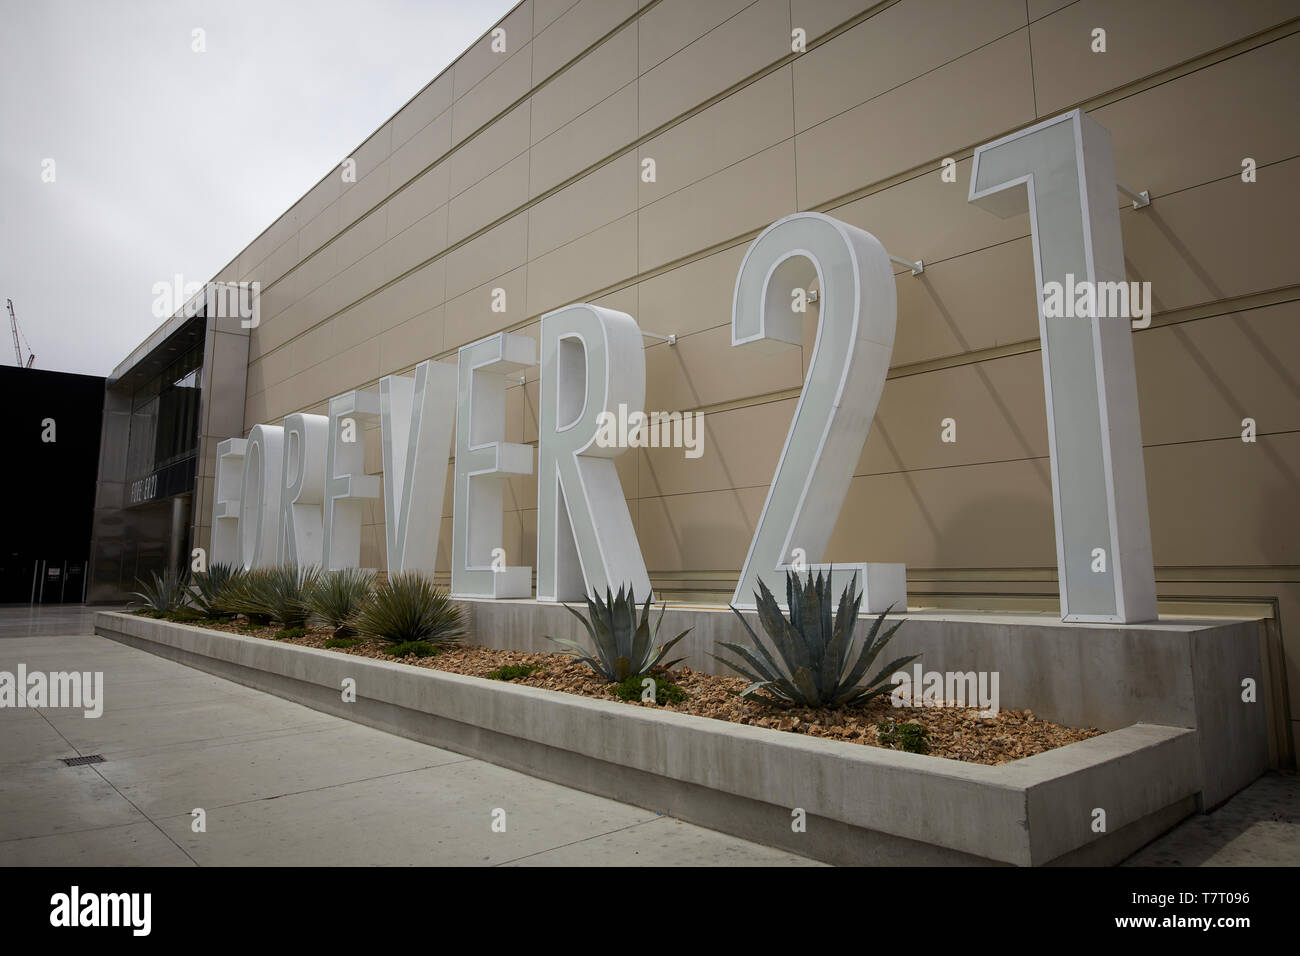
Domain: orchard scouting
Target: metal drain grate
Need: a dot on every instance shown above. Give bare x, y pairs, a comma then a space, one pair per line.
82, 761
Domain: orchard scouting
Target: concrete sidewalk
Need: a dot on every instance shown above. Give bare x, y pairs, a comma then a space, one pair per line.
283, 785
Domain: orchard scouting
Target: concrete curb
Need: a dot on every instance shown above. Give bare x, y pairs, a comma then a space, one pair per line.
863, 804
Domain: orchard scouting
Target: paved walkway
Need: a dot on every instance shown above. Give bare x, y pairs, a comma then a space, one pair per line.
280, 783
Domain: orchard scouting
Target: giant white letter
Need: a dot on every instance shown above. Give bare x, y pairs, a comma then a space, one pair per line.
855, 339
417, 427
592, 362
259, 506
347, 486
484, 459
305, 438
225, 502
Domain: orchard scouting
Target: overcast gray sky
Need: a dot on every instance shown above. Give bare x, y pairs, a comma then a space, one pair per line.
170, 161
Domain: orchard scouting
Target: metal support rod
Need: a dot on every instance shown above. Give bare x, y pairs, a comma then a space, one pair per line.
671, 338
917, 267
1140, 199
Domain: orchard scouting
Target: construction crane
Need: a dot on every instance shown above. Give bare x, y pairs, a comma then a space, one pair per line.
18, 349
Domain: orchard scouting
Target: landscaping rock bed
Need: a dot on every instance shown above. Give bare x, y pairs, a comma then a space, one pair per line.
957, 733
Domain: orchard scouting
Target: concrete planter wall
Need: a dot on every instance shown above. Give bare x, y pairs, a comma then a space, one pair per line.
1179, 672
862, 804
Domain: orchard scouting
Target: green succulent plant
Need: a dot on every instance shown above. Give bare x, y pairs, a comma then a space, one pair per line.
408, 607
338, 596
162, 593
271, 594
623, 641
811, 664
207, 588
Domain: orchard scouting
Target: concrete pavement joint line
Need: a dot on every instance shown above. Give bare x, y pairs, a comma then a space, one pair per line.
96, 770
594, 836
324, 787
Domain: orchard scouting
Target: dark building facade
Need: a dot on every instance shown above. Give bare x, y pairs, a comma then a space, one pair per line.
48, 484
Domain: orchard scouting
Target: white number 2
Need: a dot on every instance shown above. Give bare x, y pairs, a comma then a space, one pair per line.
855, 339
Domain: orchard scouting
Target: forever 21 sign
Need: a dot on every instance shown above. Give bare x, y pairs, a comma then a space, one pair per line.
294, 493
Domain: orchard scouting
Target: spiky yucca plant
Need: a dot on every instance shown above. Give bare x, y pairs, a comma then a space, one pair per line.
162, 593
623, 642
271, 594
408, 607
338, 596
811, 664
207, 588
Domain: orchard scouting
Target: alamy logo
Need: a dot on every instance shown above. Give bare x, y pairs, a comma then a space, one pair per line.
1101, 300
655, 430
74, 908
946, 689
220, 300
55, 689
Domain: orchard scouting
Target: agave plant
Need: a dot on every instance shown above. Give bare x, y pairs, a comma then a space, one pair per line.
624, 642
207, 588
162, 593
338, 596
407, 607
271, 594
811, 664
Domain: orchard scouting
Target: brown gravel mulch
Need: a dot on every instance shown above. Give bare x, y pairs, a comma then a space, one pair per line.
954, 733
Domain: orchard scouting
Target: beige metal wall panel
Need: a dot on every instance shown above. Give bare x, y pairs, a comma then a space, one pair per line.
1198, 380
704, 369
320, 230
364, 237
500, 143
426, 146
425, 194
496, 252
480, 60
1226, 238
1041, 8
1194, 129
588, 81
1141, 39
545, 12
599, 132
365, 194
894, 46
488, 200
567, 273
421, 335
574, 31
991, 516
1225, 502
473, 109
753, 39
692, 297
997, 407
741, 448
746, 122
672, 25
969, 101
470, 316
701, 531
597, 199
976, 301
817, 17
423, 108
741, 198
